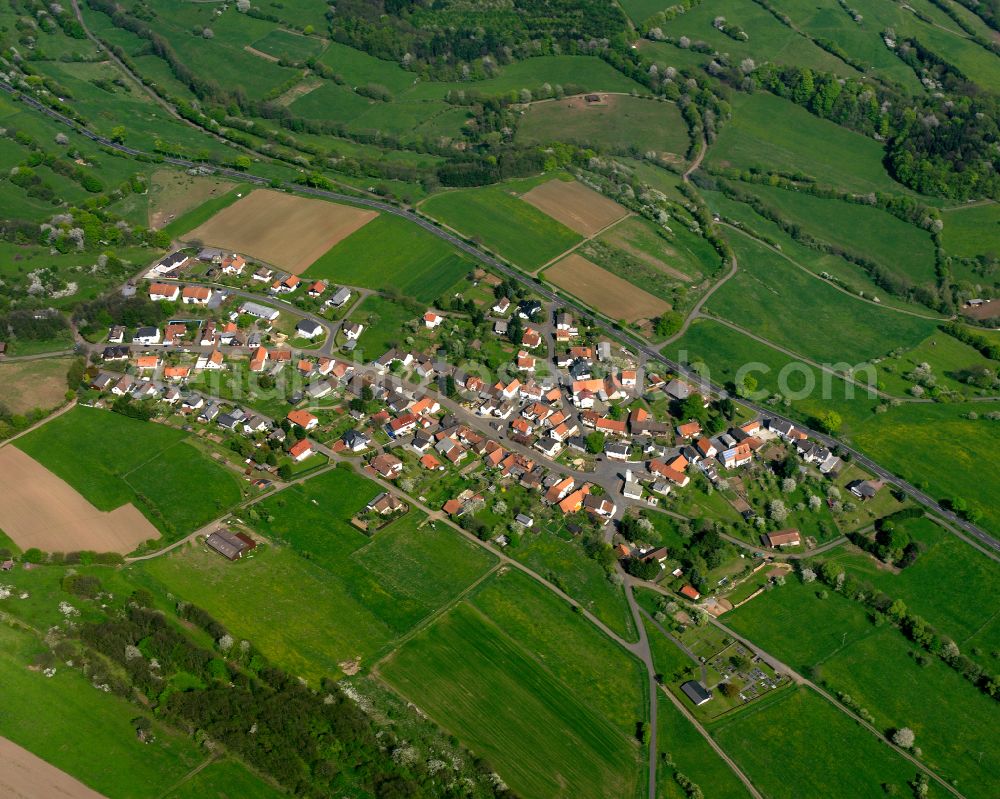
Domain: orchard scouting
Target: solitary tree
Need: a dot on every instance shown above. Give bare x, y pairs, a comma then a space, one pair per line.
904, 737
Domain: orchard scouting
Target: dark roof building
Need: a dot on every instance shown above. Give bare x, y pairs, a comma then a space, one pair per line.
696, 692
230, 545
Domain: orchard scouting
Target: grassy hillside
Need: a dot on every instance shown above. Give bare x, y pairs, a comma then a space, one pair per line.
774, 134
785, 305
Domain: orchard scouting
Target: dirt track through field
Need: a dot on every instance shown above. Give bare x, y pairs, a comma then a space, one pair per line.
579, 208
25, 776
608, 293
281, 229
38, 509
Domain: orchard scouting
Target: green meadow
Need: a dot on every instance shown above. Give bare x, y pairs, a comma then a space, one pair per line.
357, 68
113, 460
289, 46
938, 447
390, 253
602, 674
224, 779
769, 39
621, 124
383, 320
862, 41
949, 359
476, 681
776, 135
299, 618
932, 445
880, 673
789, 307
564, 563
822, 751
944, 586
592, 74
972, 231
692, 756
496, 217
400, 574
726, 351
846, 274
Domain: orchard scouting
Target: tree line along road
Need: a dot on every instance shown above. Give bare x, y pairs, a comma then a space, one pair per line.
622, 336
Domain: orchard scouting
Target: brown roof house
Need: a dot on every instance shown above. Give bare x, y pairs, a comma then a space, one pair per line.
230, 545
783, 538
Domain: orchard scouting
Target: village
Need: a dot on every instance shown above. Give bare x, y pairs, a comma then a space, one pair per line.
570, 436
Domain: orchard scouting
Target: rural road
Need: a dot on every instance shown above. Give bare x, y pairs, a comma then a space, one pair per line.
638, 345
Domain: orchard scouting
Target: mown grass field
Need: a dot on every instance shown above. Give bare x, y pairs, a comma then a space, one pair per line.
85, 732
787, 306
945, 586
620, 123
391, 253
291, 609
290, 46
599, 672
972, 231
900, 247
776, 135
400, 574
495, 216
565, 563
112, 460
822, 751
509, 708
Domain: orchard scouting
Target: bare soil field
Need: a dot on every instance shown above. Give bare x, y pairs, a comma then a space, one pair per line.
579, 208
25, 776
987, 310
27, 385
281, 229
37, 509
608, 293
172, 193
